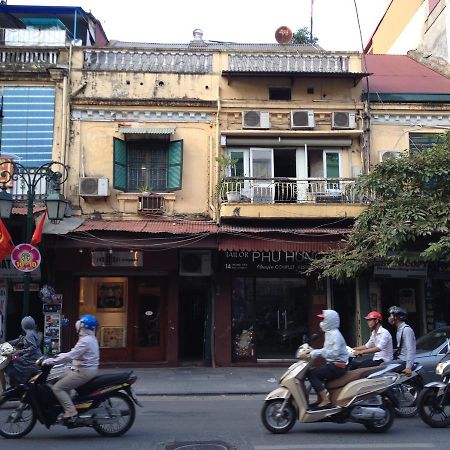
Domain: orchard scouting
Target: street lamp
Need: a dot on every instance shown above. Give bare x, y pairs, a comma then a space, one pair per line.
55, 202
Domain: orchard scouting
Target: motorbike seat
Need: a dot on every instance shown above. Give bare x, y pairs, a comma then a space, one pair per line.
103, 381
351, 375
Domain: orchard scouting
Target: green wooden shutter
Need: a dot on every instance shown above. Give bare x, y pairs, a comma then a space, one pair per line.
175, 165
120, 165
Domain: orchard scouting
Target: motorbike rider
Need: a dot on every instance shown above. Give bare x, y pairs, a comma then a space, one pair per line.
406, 339
379, 343
22, 365
334, 351
85, 359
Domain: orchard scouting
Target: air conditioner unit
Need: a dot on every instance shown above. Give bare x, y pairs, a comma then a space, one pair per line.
195, 263
94, 187
302, 119
255, 119
343, 120
386, 154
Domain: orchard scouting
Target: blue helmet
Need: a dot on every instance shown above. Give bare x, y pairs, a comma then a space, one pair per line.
89, 322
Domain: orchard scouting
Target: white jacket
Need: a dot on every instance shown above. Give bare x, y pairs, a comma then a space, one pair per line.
334, 348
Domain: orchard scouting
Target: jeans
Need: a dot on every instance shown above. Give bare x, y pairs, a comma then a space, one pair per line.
319, 375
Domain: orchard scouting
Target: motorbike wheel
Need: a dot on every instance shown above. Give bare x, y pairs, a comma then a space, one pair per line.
274, 421
430, 411
413, 389
383, 425
17, 419
121, 407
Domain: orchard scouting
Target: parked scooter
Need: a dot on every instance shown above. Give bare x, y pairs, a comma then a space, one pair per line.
106, 404
359, 396
433, 403
405, 391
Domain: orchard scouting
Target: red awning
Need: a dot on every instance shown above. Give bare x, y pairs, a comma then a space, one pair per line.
266, 244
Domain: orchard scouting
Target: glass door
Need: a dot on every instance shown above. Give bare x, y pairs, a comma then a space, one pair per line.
261, 167
332, 169
281, 316
149, 323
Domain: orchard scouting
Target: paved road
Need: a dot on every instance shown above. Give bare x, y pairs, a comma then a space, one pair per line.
234, 422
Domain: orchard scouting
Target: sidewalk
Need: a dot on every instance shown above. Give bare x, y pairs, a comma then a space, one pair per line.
204, 380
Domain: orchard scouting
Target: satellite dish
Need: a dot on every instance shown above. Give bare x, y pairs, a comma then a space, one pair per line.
283, 35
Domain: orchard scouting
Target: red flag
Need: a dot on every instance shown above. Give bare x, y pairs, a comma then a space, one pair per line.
37, 235
6, 246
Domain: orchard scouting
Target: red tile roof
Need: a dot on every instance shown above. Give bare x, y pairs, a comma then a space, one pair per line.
402, 74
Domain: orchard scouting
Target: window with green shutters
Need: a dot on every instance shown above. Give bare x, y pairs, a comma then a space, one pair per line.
153, 164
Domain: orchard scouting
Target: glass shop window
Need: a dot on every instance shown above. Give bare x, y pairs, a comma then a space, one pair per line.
106, 298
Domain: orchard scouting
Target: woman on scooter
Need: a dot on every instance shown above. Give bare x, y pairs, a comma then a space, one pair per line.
22, 365
335, 353
85, 359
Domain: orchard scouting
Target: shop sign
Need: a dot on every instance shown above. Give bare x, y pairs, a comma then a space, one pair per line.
25, 257
19, 287
266, 262
9, 272
413, 270
117, 259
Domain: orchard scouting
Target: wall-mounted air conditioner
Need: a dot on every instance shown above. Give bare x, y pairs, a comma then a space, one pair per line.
302, 119
94, 187
195, 263
386, 154
255, 119
343, 120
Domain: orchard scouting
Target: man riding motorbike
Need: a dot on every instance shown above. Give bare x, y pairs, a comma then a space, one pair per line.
22, 365
406, 339
379, 344
85, 360
335, 353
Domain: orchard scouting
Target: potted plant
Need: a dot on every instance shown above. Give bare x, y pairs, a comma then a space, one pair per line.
145, 189
231, 188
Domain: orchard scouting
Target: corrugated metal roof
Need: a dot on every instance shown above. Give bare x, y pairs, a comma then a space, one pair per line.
402, 74
269, 245
144, 130
195, 227
148, 226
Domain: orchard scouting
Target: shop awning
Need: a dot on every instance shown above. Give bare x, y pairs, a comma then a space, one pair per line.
266, 244
146, 130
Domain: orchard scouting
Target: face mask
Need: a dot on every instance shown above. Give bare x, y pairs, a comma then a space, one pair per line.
78, 326
391, 320
322, 326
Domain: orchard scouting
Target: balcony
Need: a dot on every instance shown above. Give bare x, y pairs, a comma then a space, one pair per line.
290, 198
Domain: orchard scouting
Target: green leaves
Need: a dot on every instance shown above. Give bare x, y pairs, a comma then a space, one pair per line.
409, 218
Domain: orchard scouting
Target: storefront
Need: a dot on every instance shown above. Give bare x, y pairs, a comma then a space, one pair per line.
273, 304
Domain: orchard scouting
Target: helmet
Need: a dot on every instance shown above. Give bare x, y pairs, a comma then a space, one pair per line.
374, 315
89, 322
398, 312
28, 323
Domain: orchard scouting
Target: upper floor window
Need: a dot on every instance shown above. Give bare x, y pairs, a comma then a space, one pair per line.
423, 141
151, 164
279, 93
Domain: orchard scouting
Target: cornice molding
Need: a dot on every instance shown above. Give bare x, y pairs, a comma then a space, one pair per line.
108, 115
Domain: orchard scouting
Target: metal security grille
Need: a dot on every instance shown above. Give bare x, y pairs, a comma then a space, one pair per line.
147, 166
27, 126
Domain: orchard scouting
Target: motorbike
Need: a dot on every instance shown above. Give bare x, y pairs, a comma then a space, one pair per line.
405, 392
359, 396
433, 403
106, 403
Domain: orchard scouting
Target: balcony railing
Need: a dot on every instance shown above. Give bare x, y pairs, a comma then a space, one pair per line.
290, 190
23, 56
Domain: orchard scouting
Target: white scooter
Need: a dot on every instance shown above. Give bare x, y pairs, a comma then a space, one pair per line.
359, 396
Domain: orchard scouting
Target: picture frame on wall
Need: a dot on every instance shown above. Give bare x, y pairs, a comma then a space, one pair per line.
112, 337
111, 297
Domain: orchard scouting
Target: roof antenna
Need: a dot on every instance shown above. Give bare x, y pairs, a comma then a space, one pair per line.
311, 27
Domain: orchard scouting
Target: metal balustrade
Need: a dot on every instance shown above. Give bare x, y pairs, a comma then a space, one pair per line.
290, 190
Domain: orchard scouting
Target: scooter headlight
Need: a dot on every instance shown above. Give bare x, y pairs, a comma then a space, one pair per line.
441, 367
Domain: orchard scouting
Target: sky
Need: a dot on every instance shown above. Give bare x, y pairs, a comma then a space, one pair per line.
246, 21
